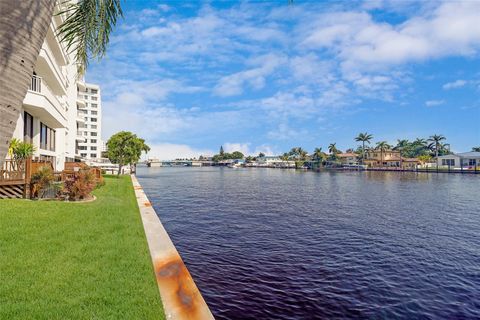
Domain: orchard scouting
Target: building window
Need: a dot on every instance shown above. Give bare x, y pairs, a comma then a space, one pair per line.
93, 141
94, 105
83, 154
94, 113
94, 98
93, 134
93, 148
472, 162
93, 126
93, 155
47, 137
93, 119
448, 162
94, 91
85, 133
27, 127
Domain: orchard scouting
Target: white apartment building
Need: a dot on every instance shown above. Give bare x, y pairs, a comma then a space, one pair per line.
91, 148
52, 112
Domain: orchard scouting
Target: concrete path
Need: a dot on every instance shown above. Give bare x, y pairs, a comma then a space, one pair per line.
180, 296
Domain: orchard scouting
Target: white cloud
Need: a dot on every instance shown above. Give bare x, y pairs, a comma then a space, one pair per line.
129, 112
246, 149
284, 132
170, 151
454, 85
242, 147
364, 44
434, 103
164, 7
255, 77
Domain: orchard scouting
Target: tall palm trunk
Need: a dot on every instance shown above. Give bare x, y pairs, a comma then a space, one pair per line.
363, 152
23, 28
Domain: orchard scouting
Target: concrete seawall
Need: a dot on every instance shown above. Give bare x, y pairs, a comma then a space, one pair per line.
180, 296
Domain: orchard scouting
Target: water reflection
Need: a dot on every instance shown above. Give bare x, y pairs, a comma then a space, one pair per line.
285, 244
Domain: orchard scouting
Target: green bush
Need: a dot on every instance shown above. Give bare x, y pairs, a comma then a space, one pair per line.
80, 186
41, 181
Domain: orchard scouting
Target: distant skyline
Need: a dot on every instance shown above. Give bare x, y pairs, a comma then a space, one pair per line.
268, 76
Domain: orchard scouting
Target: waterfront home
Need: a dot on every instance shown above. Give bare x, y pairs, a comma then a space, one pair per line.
55, 115
465, 160
410, 163
376, 158
274, 161
348, 158
268, 160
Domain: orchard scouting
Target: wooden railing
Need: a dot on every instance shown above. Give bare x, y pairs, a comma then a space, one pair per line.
13, 170
15, 175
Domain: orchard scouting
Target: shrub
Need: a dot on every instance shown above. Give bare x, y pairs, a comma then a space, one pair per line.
41, 180
80, 186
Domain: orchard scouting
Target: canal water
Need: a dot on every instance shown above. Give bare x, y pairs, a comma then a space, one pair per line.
286, 244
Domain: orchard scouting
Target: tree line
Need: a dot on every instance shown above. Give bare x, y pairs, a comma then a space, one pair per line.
423, 149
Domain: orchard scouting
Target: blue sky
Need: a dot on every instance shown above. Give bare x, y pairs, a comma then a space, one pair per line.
268, 76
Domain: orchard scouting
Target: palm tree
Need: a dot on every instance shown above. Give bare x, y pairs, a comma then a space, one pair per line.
299, 154
14, 144
364, 138
318, 155
382, 146
332, 148
402, 144
21, 151
419, 146
436, 144
303, 154
475, 149
23, 28
420, 142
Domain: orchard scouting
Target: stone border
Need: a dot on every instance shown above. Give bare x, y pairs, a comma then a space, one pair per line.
180, 296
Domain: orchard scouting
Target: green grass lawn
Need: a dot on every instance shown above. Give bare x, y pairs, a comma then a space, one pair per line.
63, 260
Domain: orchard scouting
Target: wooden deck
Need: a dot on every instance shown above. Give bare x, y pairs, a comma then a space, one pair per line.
13, 189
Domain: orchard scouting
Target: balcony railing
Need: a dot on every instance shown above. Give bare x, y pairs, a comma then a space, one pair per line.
36, 84
81, 115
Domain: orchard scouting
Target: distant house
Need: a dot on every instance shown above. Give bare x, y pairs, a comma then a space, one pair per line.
465, 160
387, 158
274, 161
267, 160
348, 158
410, 163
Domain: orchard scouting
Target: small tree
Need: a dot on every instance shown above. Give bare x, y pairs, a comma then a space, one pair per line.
237, 155
424, 158
125, 148
19, 151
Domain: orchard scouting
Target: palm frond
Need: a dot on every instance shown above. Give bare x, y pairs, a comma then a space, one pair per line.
87, 28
